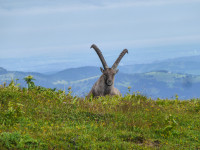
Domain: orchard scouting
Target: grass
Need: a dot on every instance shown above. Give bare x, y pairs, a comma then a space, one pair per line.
42, 118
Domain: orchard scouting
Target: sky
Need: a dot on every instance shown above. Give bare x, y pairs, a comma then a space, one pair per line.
51, 35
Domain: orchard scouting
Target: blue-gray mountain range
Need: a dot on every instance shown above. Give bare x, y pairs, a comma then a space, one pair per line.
162, 79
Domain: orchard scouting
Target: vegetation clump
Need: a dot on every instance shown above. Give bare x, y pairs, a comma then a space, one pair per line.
41, 118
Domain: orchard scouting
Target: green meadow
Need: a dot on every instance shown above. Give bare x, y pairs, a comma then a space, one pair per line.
41, 118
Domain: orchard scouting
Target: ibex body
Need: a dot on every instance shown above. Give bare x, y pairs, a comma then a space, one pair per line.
105, 84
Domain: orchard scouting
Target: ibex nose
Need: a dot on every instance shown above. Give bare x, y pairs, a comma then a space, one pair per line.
109, 82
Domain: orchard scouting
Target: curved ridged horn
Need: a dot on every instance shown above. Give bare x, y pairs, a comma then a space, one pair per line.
119, 58
100, 55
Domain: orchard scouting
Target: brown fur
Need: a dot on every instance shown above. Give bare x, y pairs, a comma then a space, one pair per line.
101, 88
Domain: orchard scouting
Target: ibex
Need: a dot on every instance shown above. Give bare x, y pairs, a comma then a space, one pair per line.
105, 84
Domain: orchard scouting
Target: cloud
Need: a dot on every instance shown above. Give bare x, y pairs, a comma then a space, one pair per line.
77, 31
66, 7
107, 46
154, 42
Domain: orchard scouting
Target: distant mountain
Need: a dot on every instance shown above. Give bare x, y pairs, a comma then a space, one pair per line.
2, 71
189, 65
7, 76
74, 74
162, 84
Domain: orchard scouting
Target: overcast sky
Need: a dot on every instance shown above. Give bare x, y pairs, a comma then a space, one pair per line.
58, 28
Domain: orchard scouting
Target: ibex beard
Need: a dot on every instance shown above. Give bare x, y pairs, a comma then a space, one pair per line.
105, 84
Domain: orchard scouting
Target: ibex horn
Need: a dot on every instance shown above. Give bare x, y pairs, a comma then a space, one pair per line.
119, 58
100, 55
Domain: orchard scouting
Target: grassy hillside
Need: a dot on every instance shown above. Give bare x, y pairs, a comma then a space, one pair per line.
41, 118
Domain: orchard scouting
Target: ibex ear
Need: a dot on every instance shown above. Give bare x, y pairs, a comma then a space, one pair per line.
117, 70
101, 69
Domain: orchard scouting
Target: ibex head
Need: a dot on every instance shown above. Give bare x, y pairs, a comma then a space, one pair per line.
109, 73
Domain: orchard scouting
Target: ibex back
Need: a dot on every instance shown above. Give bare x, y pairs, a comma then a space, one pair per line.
105, 84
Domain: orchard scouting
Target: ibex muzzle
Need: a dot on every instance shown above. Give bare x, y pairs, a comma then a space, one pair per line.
105, 84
